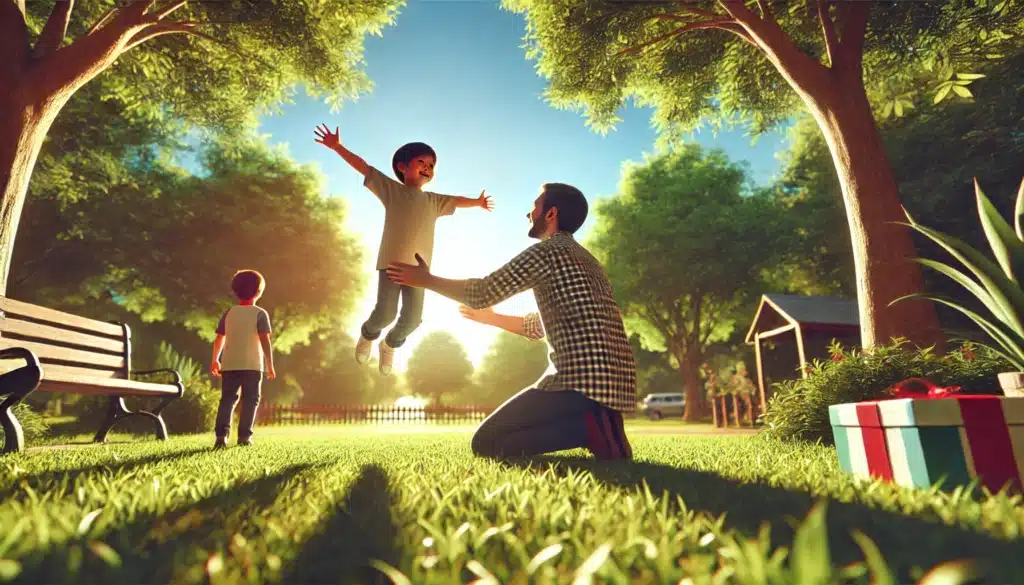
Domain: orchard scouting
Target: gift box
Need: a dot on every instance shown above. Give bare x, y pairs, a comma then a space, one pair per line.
918, 441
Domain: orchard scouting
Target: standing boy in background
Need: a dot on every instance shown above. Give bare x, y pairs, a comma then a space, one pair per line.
240, 352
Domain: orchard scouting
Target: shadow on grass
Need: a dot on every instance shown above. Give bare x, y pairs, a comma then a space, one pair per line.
168, 547
36, 481
360, 529
905, 541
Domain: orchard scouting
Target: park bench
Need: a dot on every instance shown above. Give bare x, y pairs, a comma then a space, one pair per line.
52, 351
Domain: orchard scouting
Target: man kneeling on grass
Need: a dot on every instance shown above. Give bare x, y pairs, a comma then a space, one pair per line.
581, 404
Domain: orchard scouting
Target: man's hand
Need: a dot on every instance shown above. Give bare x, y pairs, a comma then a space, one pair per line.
215, 368
485, 201
325, 137
485, 316
271, 372
408, 275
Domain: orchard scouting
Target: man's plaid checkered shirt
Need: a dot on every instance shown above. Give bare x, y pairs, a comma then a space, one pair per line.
589, 348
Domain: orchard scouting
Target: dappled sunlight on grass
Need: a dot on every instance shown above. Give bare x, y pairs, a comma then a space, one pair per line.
319, 504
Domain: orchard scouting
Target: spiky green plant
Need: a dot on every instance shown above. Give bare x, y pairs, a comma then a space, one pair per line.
995, 283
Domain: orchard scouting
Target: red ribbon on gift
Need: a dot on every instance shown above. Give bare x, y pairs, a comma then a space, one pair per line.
920, 388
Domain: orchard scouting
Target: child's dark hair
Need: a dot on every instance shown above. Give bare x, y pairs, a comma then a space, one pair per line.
569, 201
407, 153
247, 284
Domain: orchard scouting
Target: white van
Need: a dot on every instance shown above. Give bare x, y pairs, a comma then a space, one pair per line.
658, 406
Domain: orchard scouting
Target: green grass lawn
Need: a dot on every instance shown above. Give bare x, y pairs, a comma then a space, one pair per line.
321, 504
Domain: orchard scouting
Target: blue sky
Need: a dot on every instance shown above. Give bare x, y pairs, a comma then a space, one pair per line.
453, 74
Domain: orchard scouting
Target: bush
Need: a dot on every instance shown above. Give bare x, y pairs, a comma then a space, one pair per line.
32, 423
798, 410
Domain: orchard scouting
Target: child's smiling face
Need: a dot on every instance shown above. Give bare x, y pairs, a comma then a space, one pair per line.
419, 171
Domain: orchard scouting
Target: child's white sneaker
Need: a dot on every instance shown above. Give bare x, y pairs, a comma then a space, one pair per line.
387, 357
363, 349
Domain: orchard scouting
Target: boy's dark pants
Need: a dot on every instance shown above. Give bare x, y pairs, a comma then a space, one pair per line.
249, 382
387, 307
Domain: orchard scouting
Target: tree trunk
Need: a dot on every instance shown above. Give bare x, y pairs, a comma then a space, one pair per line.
835, 96
750, 408
735, 411
882, 250
689, 371
23, 127
714, 412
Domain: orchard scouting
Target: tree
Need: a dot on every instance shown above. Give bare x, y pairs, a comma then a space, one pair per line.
168, 252
684, 247
209, 63
935, 154
438, 366
512, 363
736, 60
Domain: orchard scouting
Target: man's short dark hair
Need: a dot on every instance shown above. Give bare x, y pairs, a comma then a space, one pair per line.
408, 152
571, 205
247, 284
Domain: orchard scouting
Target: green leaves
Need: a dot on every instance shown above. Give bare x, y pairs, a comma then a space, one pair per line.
957, 86
999, 290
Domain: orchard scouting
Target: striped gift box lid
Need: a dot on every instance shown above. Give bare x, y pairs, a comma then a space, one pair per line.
918, 412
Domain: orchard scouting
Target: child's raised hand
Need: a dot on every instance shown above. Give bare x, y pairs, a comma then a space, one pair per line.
485, 201
326, 137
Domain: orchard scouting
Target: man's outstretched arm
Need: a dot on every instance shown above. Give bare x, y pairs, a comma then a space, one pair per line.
528, 326
520, 274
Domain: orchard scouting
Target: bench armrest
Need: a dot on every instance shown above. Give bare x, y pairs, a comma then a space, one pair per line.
22, 353
177, 376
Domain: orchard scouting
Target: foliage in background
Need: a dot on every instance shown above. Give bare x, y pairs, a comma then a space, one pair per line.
438, 367
684, 245
512, 363
798, 409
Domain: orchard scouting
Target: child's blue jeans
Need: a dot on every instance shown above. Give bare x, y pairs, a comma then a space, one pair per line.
387, 308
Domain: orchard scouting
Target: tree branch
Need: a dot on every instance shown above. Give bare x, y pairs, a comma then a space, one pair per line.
855, 26
719, 23
55, 29
829, 30
103, 20
13, 38
166, 29
91, 54
684, 5
799, 70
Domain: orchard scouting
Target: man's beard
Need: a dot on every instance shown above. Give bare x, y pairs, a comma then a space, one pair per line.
536, 229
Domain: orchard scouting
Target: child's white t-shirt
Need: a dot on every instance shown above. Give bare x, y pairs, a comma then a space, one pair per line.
241, 326
409, 219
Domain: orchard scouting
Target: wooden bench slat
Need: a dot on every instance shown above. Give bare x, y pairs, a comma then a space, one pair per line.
9, 305
44, 352
30, 329
104, 387
48, 369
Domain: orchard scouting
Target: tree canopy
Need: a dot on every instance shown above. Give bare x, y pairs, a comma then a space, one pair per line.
702, 68
736, 61
438, 366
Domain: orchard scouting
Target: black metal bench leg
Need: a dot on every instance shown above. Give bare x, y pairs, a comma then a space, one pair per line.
118, 411
22, 382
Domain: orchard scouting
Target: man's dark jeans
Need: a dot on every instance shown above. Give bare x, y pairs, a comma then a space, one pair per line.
387, 307
535, 421
249, 382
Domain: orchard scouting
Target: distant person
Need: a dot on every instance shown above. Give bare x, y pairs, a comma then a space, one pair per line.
409, 217
241, 351
594, 380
